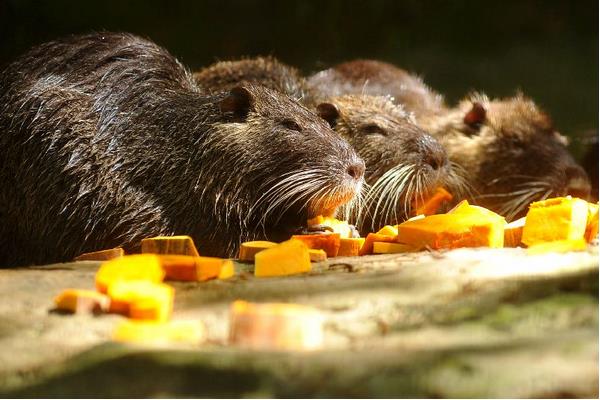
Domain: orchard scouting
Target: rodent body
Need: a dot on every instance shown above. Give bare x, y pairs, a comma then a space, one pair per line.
402, 161
106, 139
507, 149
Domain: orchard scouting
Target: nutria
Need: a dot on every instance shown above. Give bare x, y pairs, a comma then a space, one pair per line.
509, 149
268, 71
106, 139
402, 161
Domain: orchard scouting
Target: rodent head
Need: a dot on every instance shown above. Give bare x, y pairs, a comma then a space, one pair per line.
403, 162
511, 153
290, 164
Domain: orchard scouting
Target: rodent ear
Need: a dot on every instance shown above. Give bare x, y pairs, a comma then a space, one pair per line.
239, 102
475, 116
329, 112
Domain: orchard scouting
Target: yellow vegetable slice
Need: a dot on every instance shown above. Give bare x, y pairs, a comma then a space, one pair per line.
135, 267
190, 332
287, 258
182, 244
560, 218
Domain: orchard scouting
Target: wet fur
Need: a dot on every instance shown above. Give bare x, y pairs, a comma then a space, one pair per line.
106, 139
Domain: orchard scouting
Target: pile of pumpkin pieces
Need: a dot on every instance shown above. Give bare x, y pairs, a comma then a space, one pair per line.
133, 285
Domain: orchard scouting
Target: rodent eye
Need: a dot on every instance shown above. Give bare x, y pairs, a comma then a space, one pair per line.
373, 129
291, 125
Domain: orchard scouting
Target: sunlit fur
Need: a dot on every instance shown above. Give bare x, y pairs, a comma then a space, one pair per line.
513, 157
106, 139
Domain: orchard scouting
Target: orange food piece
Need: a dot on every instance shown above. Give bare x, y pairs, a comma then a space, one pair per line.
192, 332
188, 268
560, 218
183, 245
513, 233
558, 246
330, 242
392, 248
317, 255
141, 299
388, 230
338, 226
433, 203
134, 267
81, 300
367, 247
465, 226
287, 258
350, 247
101, 255
275, 326
591, 228
249, 249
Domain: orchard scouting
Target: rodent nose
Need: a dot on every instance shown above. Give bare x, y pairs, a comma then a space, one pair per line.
578, 184
433, 153
356, 170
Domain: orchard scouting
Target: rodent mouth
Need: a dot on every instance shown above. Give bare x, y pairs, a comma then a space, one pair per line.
328, 204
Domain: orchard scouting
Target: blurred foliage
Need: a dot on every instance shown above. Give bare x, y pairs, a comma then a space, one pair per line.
547, 49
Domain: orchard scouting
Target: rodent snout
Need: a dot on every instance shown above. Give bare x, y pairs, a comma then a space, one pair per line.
356, 170
577, 182
433, 152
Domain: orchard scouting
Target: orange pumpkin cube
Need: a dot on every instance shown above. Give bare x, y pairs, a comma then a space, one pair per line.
558, 246
513, 233
388, 230
330, 242
466, 226
81, 300
249, 249
188, 268
392, 248
182, 245
591, 228
288, 258
367, 247
317, 255
433, 203
101, 255
138, 331
350, 247
275, 326
560, 218
141, 299
134, 267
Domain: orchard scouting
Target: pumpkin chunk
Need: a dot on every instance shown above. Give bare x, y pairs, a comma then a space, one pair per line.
558, 246
350, 247
287, 258
135, 267
591, 228
192, 332
82, 301
465, 226
433, 203
330, 242
336, 225
391, 248
188, 268
367, 247
141, 299
388, 230
317, 255
101, 255
560, 218
249, 249
513, 233
275, 326
183, 245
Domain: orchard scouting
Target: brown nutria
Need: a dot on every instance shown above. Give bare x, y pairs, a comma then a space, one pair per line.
508, 148
402, 161
106, 139
268, 71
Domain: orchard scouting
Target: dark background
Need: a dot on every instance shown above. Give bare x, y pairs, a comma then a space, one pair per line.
547, 49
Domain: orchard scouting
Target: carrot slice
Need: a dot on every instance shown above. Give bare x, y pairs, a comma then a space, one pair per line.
330, 242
